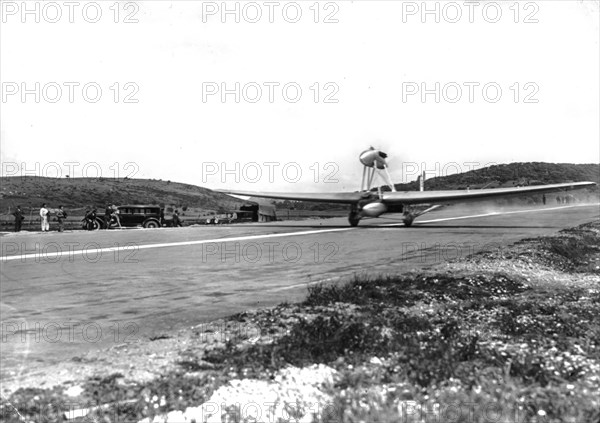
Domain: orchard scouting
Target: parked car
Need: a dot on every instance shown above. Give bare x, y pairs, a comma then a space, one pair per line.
218, 219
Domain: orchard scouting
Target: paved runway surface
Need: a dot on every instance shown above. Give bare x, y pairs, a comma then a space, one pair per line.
63, 294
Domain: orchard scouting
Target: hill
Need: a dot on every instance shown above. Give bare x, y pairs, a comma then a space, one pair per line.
79, 193
507, 175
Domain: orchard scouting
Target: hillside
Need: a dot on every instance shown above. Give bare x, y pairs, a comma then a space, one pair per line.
506, 175
76, 193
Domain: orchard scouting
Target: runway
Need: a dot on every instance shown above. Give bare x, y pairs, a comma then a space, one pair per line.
65, 293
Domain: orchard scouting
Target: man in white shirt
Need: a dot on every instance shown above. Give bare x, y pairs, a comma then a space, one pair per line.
44, 217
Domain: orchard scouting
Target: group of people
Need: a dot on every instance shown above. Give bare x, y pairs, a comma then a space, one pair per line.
61, 215
111, 218
45, 214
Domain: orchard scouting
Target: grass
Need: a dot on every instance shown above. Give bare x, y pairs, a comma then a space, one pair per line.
462, 345
573, 250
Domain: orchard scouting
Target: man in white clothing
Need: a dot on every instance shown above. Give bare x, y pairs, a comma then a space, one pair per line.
44, 217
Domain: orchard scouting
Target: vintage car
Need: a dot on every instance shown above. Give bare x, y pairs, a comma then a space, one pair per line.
146, 216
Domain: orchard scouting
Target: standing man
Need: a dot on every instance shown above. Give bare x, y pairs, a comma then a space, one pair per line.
44, 212
107, 216
18, 214
176, 220
115, 214
61, 215
90, 219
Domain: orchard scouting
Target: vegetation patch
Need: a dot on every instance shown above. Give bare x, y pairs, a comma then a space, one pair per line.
459, 345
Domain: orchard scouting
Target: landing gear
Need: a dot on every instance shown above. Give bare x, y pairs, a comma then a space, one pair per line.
354, 216
412, 212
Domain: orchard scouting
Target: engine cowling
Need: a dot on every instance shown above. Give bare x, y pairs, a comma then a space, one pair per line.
373, 158
374, 209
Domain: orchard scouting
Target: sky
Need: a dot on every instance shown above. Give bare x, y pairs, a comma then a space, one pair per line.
461, 87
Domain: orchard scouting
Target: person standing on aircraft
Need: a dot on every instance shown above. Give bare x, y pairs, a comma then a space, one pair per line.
61, 215
44, 215
18, 214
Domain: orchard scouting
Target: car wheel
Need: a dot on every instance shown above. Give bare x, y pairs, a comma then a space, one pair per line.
151, 224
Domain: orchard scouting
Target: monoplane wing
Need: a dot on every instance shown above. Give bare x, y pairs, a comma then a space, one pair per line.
321, 197
459, 196
414, 197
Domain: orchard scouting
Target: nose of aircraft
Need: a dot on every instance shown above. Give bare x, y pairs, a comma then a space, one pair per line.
372, 158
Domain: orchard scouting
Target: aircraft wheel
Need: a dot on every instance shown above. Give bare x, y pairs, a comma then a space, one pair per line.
408, 220
353, 219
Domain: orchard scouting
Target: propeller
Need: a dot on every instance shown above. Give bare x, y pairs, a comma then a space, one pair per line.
372, 158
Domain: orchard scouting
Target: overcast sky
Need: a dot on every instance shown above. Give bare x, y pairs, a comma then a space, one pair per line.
364, 62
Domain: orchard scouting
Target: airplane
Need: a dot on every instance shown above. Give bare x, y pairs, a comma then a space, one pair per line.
369, 203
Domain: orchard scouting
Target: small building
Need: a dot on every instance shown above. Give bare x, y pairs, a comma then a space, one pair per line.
261, 212
266, 213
